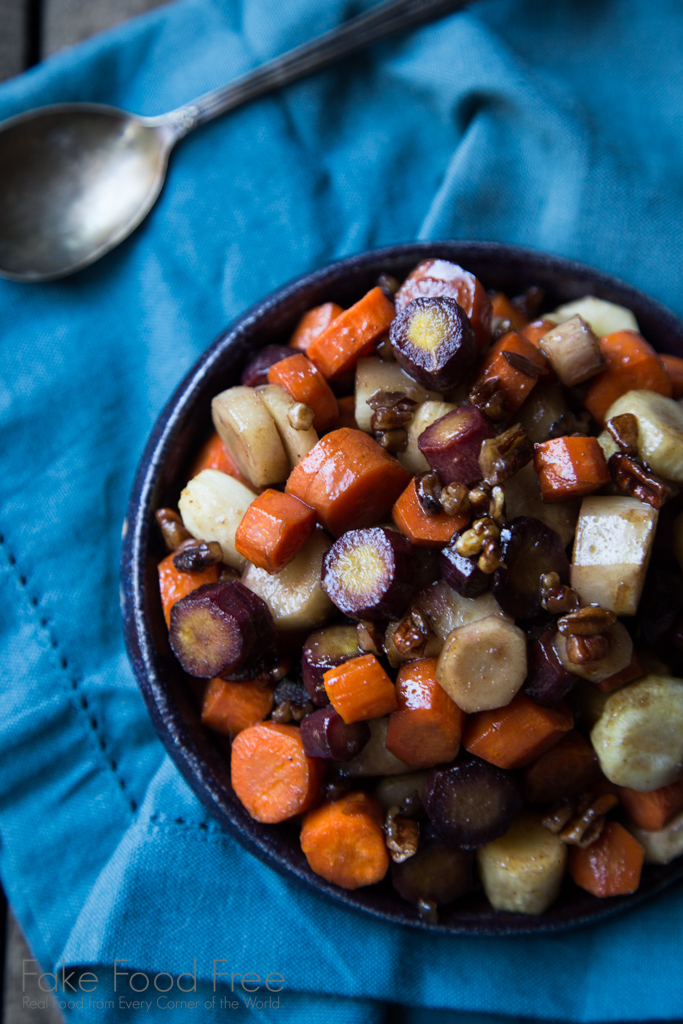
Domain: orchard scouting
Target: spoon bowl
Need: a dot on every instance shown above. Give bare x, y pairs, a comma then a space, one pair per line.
75, 179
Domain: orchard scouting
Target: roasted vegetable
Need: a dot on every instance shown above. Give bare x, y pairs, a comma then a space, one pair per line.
368, 574
471, 804
433, 341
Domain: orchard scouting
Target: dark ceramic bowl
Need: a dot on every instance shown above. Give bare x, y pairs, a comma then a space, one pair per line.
173, 699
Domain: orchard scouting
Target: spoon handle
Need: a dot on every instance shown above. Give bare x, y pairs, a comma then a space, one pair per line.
353, 35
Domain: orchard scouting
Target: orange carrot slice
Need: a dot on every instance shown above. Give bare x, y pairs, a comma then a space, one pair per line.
536, 329
503, 363
314, 323
427, 726
569, 467
424, 529
274, 529
299, 377
349, 480
352, 333
360, 689
271, 774
653, 810
174, 584
514, 736
344, 842
229, 708
611, 865
634, 670
631, 364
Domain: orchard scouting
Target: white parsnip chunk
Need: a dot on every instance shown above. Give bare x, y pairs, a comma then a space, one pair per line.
660, 430
483, 664
212, 506
280, 405
618, 656
373, 375
248, 431
295, 595
523, 870
602, 317
639, 736
612, 550
663, 845
446, 609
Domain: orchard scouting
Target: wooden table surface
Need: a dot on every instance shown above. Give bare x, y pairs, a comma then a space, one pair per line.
31, 30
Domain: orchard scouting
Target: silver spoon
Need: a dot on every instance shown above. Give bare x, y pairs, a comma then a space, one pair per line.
77, 178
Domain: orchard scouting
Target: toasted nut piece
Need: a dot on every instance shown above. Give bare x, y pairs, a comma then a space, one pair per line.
402, 835
393, 440
196, 556
491, 556
412, 633
172, 529
555, 596
521, 363
490, 397
300, 416
428, 490
586, 621
624, 430
502, 456
582, 649
454, 499
370, 638
578, 820
634, 478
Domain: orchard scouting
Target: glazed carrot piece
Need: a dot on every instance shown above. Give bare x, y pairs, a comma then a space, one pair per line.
611, 865
174, 584
271, 774
424, 529
214, 455
653, 810
351, 334
349, 479
344, 841
360, 689
536, 329
426, 728
631, 364
503, 308
313, 323
570, 767
274, 529
674, 367
514, 736
514, 382
632, 671
569, 467
347, 412
229, 708
299, 377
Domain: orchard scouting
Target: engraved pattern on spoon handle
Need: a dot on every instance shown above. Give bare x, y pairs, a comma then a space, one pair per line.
353, 35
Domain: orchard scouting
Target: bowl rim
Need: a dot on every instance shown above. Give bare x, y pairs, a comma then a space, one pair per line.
202, 769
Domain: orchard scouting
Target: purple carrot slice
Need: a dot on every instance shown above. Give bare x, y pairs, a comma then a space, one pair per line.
570, 767
547, 681
433, 340
325, 734
461, 572
325, 649
369, 574
221, 628
437, 873
451, 445
472, 803
256, 371
530, 550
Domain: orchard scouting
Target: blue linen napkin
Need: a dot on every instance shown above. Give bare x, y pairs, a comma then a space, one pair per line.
552, 126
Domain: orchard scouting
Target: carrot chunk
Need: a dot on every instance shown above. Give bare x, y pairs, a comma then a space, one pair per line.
424, 529
569, 467
274, 529
427, 726
350, 334
611, 865
214, 455
502, 308
514, 736
506, 361
229, 708
536, 329
634, 670
344, 842
313, 323
360, 689
653, 810
271, 773
299, 377
349, 479
674, 367
174, 584
631, 364
570, 767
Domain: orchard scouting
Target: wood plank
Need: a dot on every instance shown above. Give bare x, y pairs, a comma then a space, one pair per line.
66, 22
13, 37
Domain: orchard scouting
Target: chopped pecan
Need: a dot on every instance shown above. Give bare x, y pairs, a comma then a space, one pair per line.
586, 621
633, 477
454, 499
172, 529
390, 417
370, 638
196, 556
500, 457
624, 430
300, 416
490, 398
412, 632
586, 649
497, 505
579, 820
389, 400
402, 835
556, 597
393, 440
491, 556
524, 365
428, 490
471, 542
